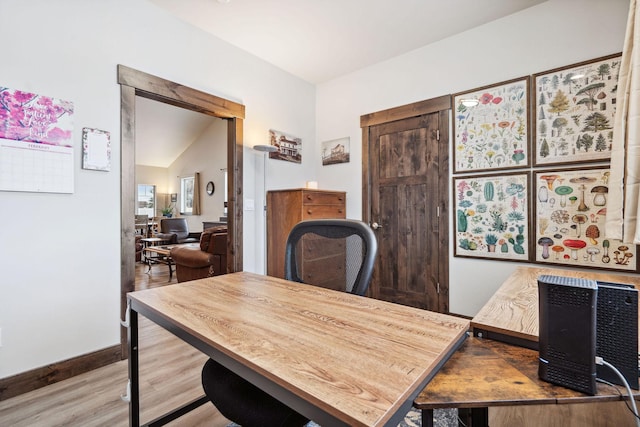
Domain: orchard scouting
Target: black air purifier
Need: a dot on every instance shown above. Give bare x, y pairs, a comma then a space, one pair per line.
567, 333
617, 332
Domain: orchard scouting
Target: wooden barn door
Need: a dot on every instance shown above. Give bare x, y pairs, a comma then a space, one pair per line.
405, 197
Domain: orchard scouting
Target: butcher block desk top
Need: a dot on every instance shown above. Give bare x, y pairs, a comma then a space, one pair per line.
340, 358
486, 372
513, 310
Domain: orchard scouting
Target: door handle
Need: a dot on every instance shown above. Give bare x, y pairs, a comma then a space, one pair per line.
375, 225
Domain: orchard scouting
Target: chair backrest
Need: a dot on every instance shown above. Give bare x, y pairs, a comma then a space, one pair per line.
142, 219
176, 226
333, 253
141, 223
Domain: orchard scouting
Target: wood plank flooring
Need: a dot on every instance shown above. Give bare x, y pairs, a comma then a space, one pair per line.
169, 374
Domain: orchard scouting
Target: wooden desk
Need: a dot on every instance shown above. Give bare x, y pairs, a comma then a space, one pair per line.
337, 358
486, 372
493, 372
511, 314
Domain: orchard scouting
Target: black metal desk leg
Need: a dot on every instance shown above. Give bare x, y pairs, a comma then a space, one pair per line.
427, 418
480, 417
475, 417
134, 392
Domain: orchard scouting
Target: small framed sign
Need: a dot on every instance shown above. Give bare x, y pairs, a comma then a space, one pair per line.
96, 150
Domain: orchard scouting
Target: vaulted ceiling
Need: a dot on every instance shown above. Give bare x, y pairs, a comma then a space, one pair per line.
318, 40
315, 40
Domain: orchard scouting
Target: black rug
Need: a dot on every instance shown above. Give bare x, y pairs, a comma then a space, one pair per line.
442, 418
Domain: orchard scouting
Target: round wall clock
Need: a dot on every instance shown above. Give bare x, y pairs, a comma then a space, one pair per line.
210, 188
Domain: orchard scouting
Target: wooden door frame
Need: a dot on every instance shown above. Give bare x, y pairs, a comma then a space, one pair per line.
137, 83
442, 106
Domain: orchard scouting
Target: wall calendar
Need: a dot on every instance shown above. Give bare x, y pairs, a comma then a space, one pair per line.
36, 145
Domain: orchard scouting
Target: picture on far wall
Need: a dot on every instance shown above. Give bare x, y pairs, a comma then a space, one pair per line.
492, 216
491, 127
289, 147
570, 209
335, 151
574, 111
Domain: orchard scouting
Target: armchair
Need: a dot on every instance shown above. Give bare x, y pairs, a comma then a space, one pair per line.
209, 259
176, 230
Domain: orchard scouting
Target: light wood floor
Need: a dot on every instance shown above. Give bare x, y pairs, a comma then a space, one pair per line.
169, 375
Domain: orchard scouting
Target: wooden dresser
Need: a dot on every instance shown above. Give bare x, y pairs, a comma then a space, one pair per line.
286, 208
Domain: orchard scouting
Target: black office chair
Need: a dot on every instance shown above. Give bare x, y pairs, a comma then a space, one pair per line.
335, 253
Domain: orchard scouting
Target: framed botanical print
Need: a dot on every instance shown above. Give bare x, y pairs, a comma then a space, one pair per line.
570, 208
492, 216
491, 127
574, 109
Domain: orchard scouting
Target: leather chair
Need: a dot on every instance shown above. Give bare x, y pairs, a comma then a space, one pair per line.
176, 230
208, 259
354, 241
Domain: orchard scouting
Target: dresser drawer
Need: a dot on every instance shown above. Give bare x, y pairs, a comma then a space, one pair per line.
314, 247
320, 211
318, 198
327, 272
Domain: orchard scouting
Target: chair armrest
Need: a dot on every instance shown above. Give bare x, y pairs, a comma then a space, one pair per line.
192, 257
195, 234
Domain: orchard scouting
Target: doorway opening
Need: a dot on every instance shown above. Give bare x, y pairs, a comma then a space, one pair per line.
134, 84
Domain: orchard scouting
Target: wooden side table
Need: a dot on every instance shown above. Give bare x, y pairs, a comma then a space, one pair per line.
484, 373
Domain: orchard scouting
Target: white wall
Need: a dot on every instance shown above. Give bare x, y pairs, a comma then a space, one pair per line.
546, 36
206, 155
60, 287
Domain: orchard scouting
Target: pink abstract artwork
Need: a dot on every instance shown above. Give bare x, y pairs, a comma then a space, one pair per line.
30, 117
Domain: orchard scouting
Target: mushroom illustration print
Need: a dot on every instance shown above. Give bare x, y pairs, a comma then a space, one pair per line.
575, 246
563, 191
549, 180
592, 232
582, 181
579, 219
557, 249
545, 242
621, 256
592, 251
599, 195
572, 232
605, 257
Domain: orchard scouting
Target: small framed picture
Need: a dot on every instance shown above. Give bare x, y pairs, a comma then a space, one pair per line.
570, 209
491, 127
335, 151
574, 111
492, 216
289, 147
96, 149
